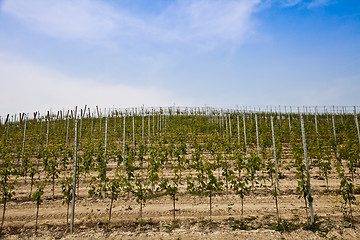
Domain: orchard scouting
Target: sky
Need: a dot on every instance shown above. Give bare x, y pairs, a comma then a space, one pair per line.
57, 54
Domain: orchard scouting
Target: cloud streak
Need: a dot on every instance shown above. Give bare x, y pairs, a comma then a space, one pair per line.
307, 4
203, 19
90, 20
290, 3
65, 19
318, 3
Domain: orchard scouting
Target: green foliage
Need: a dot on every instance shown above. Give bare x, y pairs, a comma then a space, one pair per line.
319, 226
7, 183
66, 188
37, 195
238, 225
346, 187
184, 147
285, 226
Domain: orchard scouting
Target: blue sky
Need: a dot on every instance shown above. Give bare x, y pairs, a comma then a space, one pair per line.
58, 54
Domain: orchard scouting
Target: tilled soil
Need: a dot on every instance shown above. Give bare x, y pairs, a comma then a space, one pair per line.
192, 215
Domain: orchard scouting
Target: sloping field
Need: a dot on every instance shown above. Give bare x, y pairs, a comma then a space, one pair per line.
181, 175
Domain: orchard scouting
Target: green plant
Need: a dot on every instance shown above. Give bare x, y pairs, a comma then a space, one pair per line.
36, 197
318, 226
205, 181
285, 226
172, 183
32, 172
346, 190
7, 184
114, 188
302, 188
240, 181
66, 188
171, 226
52, 169
238, 225
140, 188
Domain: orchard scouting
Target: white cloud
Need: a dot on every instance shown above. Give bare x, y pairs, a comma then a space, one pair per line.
199, 22
81, 19
318, 3
290, 3
183, 21
27, 87
308, 3
206, 19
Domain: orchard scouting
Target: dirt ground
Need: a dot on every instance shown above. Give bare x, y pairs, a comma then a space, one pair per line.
192, 215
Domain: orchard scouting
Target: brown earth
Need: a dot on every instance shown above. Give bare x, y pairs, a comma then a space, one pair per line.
192, 215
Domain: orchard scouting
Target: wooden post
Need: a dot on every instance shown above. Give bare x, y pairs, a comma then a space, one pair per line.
142, 127
23, 146
74, 181
238, 128
257, 136
334, 130
105, 152
246, 155
67, 131
316, 128
357, 123
124, 138
307, 170
276, 163
7, 122
47, 130
134, 144
149, 127
277, 191
230, 126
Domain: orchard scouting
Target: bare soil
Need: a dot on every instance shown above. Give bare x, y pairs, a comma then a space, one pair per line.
192, 215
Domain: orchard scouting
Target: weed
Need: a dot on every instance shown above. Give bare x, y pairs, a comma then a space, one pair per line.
267, 216
171, 226
318, 227
238, 225
250, 218
285, 226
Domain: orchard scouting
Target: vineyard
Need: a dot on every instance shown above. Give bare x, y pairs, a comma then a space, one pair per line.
181, 173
